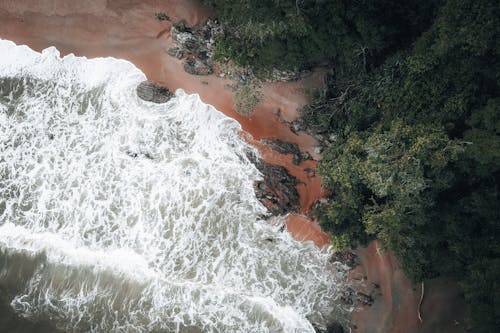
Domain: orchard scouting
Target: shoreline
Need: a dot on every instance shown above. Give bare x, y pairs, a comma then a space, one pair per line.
130, 31
138, 37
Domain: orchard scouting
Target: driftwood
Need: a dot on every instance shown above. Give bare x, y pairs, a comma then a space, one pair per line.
420, 303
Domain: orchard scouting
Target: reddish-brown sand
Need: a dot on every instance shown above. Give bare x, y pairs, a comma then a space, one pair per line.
127, 29
396, 310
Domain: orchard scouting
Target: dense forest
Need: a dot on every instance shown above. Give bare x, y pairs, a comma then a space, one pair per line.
414, 108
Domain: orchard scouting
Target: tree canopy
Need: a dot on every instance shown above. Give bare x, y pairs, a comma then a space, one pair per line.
414, 105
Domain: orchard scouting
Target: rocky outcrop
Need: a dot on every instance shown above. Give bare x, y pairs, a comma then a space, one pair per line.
150, 92
347, 257
195, 45
283, 147
39, 26
277, 191
197, 67
333, 327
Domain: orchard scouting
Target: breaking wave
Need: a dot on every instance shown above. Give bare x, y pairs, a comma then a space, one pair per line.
119, 215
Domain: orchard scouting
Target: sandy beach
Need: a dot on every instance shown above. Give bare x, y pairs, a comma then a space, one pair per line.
127, 29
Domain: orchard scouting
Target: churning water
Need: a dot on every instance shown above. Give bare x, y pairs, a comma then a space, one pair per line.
119, 215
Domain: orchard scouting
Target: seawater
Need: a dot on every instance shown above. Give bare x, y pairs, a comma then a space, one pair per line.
120, 215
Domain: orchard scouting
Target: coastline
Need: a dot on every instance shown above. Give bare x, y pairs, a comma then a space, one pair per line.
128, 30
132, 33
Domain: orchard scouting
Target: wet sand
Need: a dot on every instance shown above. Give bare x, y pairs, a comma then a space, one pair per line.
127, 29
397, 307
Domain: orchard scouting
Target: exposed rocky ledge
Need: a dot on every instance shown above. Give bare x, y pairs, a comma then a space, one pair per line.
283, 147
195, 46
150, 92
195, 66
277, 191
333, 327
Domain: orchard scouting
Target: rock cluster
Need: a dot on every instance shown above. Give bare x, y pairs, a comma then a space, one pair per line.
195, 46
346, 257
195, 66
288, 148
277, 191
333, 327
151, 92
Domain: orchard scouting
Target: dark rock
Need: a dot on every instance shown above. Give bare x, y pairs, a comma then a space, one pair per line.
176, 52
296, 126
281, 146
318, 328
333, 327
149, 156
306, 156
197, 67
364, 299
195, 44
346, 257
297, 159
203, 55
182, 26
186, 41
131, 154
150, 92
288, 148
278, 189
161, 16
351, 295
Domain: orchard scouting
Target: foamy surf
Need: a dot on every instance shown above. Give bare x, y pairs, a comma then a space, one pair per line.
119, 215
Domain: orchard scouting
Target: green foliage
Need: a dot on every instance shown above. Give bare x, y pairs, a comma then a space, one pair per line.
390, 181
415, 106
417, 163
482, 290
292, 34
247, 96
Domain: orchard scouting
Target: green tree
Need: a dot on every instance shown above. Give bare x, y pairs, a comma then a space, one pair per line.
414, 103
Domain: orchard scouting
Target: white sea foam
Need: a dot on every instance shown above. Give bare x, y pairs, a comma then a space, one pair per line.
126, 216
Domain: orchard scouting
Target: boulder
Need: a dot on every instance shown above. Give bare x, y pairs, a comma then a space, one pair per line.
277, 191
196, 45
186, 41
176, 52
150, 92
333, 327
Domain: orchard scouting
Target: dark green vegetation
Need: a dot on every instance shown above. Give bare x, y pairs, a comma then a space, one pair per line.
414, 105
295, 34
